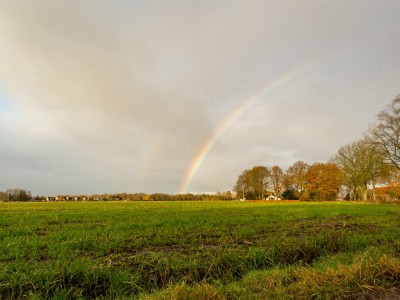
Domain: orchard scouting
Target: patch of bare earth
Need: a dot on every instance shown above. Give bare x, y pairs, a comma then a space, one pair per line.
342, 222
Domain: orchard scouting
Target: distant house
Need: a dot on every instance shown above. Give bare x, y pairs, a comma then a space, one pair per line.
272, 197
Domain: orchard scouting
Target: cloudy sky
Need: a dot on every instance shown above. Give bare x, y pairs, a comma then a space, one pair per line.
182, 96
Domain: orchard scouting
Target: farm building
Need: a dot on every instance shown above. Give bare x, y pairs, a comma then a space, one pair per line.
272, 197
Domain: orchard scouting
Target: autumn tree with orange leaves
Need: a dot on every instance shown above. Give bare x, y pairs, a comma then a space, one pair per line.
322, 182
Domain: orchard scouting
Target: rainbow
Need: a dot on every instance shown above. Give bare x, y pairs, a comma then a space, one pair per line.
266, 90
5, 104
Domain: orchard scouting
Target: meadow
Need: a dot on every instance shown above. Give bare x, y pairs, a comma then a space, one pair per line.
199, 250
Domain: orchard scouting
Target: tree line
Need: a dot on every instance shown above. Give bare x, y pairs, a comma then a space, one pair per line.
366, 169
15, 195
301, 181
21, 195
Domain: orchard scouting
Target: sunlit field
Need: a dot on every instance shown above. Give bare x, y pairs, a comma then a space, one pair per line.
198, 250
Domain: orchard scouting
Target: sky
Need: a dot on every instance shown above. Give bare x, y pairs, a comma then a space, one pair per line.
182, 96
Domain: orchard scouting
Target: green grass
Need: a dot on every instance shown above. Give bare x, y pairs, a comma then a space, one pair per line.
197, 250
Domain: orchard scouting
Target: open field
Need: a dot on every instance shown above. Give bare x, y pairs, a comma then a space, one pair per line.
199, 250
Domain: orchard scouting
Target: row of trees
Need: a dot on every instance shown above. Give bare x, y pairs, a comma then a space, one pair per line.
15, 195
23, 195
365, 169
301, 180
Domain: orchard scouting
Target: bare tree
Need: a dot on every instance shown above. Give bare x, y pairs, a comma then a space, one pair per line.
386, 134
277, 178
241, 186
18, 195
361, 164
392, 178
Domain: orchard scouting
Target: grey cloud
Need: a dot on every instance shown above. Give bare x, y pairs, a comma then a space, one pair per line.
123, 95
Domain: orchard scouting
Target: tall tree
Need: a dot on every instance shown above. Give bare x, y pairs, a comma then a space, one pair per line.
252, 182
361, 164
323, 181
241, 187
386, 134
260, 178
3, 197
295, 177
277, 180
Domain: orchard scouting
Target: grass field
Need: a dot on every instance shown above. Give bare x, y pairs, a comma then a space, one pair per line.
199, 250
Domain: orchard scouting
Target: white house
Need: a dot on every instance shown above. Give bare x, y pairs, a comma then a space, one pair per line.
272, 197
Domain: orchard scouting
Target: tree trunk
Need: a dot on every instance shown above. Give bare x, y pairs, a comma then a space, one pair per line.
373, 191
364, 193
